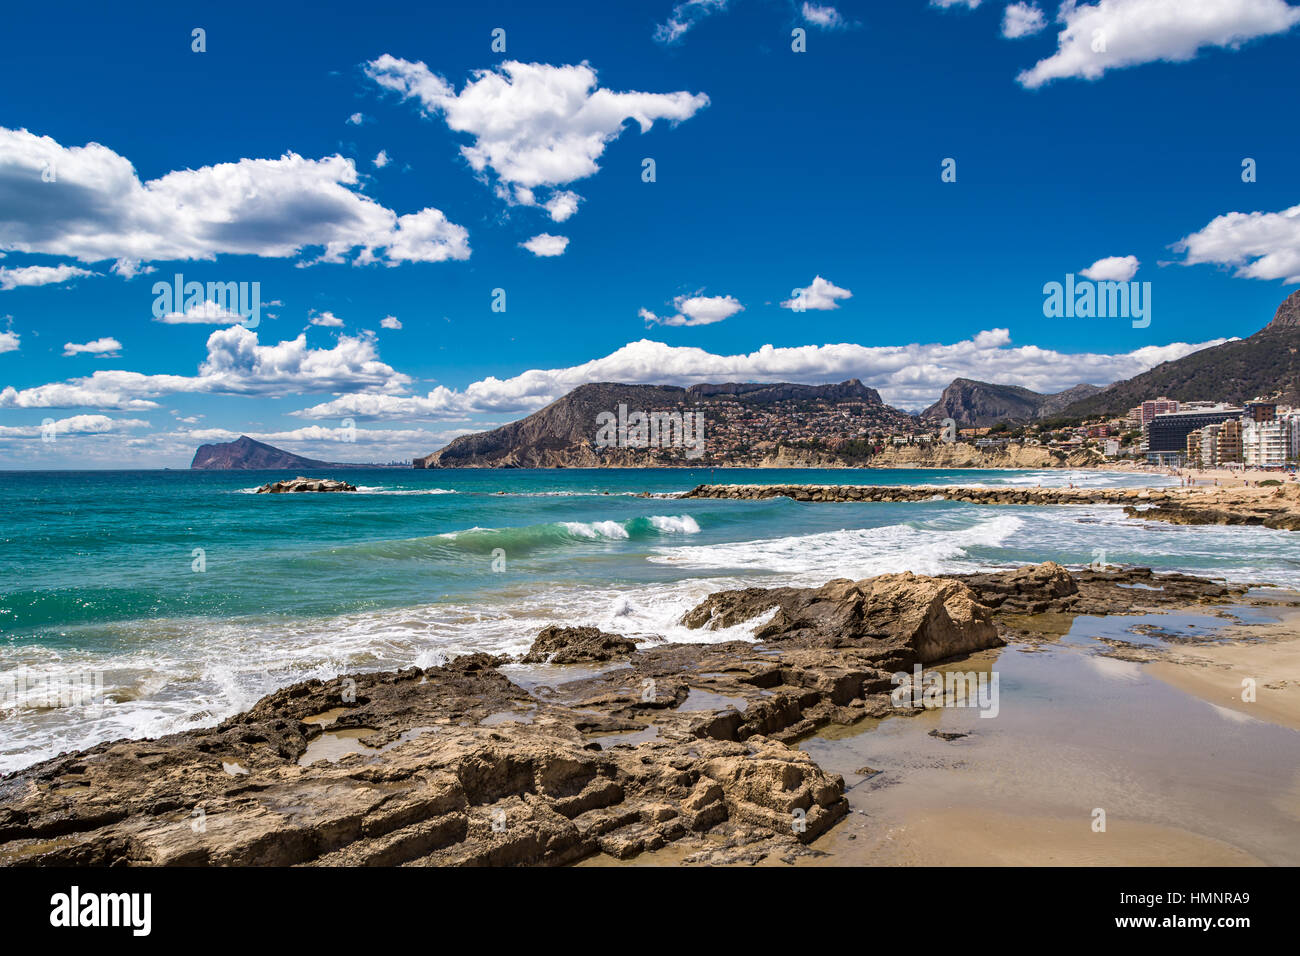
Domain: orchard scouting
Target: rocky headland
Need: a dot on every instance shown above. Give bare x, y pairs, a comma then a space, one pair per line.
489, 761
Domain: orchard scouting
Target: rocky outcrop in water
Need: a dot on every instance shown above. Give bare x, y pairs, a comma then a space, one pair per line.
293, 485
897, 619
572, 645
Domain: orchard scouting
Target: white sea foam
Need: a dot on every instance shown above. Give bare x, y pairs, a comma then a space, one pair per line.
675, 524
856, 553
595, 529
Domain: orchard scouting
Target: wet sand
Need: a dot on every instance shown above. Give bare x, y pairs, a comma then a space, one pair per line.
1182, 779
1131, 715
1268, 654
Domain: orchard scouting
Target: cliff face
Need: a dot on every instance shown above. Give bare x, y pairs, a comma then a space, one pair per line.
962, 455
1287, 315
973, 404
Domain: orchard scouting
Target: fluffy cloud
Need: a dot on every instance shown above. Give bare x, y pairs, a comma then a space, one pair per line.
911, 376
546, 245
236, 364
1113, 34
821, 294
104, 348
685, 16
1261, 245
562, 205
534, 126
74, 425
968, 4
40, 275
9, 342
381, 159
825, 17
205, 313
99, 209
327, 319
696, 310
1112, 269
1022, 20
356, 119
390, 322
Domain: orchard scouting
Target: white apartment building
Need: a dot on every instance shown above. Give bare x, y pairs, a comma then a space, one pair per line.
1264, 444
1291, 425
1210, 445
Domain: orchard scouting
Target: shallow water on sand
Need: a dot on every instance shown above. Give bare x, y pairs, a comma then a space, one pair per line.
1181, 780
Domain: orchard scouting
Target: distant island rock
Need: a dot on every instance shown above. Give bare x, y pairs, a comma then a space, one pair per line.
304, 484
248, 454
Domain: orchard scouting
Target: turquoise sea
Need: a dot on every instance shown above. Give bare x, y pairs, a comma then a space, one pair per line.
189, 597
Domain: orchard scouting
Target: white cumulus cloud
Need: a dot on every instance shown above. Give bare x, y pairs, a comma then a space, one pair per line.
390, 322
1112, 269
106, 347
1022, 20
696, 310
821, 294
204, 313
236, 364
274, 208
545, 245
1261, 245
534, 126
824, 16
1113, 34
40, 275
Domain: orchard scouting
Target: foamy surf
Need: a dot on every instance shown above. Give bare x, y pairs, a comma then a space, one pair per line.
855, 553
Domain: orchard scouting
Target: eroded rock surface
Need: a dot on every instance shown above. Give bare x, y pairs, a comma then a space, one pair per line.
571, 645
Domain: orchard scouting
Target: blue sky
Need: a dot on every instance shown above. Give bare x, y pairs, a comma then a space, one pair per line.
361, 165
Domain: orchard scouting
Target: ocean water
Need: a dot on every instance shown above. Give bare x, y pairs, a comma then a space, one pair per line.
187, 597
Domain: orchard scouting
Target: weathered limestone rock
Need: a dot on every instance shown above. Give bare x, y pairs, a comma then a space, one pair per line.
901, 618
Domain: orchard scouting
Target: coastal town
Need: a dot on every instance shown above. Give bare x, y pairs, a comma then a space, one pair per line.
1160, 432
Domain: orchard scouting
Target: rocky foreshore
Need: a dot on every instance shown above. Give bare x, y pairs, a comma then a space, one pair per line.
1272, 507
460, 764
